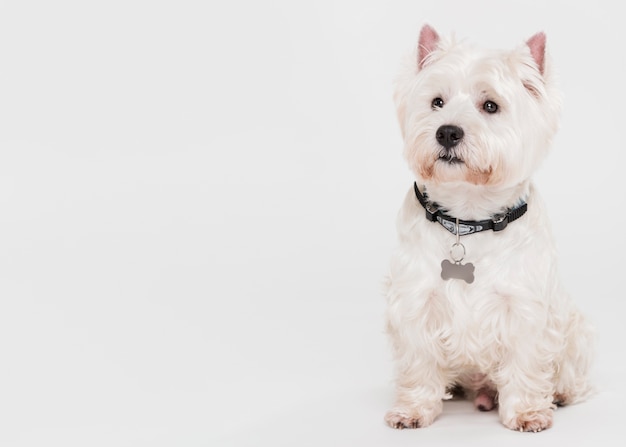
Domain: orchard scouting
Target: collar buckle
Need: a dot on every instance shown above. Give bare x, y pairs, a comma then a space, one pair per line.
431, 212
500, 221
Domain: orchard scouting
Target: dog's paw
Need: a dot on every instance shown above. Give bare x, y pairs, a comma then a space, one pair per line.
534, 421
410, 417
399, 420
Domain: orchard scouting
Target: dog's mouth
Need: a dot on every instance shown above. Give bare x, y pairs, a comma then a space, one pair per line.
450, 159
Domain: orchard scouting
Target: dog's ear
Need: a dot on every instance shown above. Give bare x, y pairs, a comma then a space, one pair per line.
428, 41
537, 45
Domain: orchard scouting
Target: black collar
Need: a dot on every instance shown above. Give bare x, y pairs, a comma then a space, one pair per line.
496, 223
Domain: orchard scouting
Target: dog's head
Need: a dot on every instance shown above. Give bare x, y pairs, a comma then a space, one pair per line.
476, 116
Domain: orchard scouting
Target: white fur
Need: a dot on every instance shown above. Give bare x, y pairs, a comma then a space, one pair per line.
514, 330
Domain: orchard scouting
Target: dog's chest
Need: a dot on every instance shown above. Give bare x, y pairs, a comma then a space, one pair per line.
470, 322
467, 318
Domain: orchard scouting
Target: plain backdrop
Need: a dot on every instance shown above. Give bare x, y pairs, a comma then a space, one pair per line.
197, 209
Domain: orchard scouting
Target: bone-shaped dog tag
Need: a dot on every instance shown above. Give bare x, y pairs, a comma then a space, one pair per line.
456, 270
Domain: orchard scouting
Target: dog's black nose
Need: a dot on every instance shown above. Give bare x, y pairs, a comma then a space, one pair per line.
449, 136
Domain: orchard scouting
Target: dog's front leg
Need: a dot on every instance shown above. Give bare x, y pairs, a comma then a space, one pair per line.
421, 376
418, 403
525, 388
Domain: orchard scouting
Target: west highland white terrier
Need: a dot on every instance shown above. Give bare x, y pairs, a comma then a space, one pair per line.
474, 299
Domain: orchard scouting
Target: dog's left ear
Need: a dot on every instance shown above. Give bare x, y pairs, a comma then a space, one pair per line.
537, 45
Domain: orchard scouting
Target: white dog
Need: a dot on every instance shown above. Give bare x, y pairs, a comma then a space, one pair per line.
474, 298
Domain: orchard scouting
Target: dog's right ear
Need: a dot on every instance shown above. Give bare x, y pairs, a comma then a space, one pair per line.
428, 41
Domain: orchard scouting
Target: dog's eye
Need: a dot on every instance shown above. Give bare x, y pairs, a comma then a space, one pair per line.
437, 103
490, 107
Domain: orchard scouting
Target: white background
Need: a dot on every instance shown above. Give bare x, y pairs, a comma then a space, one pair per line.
197, 208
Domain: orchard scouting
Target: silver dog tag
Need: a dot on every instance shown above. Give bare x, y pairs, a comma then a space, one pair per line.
456, 270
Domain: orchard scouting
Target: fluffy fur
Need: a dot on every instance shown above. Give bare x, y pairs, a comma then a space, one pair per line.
512, 339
